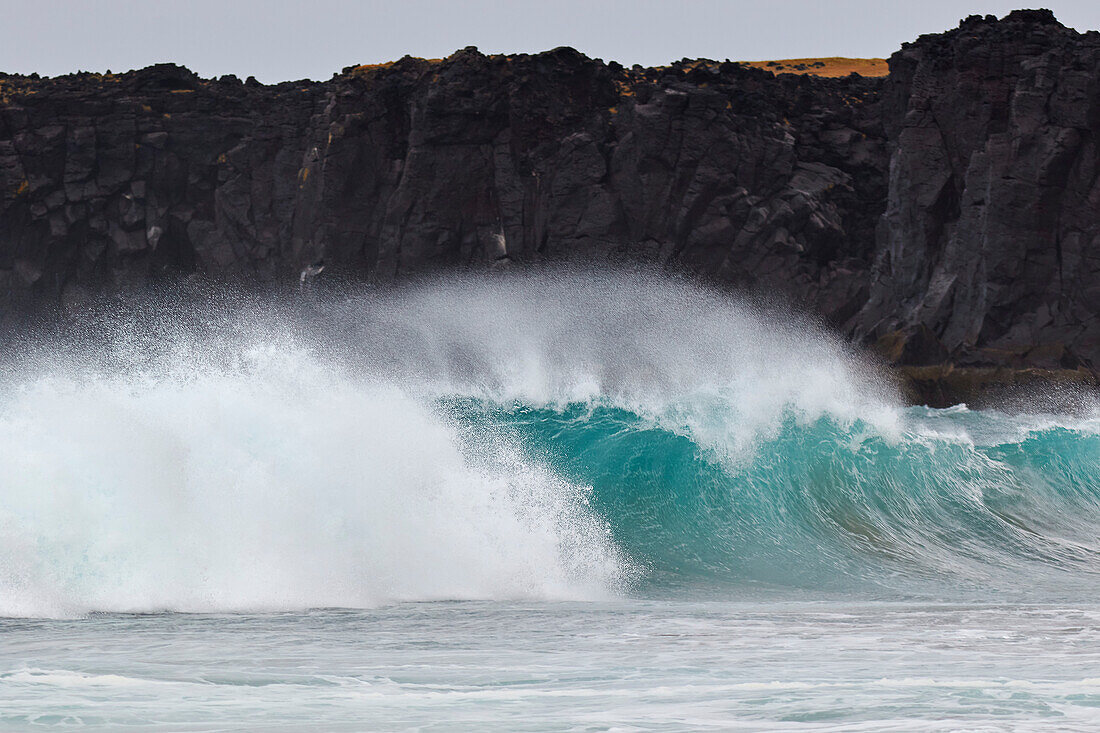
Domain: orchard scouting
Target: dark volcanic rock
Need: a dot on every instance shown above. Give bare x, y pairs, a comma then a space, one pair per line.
1030, 388
112, 181
732, 173
991, 238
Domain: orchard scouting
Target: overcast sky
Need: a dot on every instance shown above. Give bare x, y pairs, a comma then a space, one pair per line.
280, 40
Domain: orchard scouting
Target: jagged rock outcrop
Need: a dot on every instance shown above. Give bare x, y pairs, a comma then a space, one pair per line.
949, 214
989, 250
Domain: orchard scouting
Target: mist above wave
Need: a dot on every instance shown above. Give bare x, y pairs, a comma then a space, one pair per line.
634, 338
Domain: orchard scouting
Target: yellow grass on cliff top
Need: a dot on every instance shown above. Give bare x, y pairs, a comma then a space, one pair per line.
833, 66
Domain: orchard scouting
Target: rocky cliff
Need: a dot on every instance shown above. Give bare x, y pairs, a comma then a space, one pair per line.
112, 180
949, 213
988, 250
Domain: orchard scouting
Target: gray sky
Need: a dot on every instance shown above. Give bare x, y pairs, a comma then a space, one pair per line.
278, 40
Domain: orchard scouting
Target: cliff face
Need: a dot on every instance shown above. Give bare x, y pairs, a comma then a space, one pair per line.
730, 172
989, 250
949, 213
107, 182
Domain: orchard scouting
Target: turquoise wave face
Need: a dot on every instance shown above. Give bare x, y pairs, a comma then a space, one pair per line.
958, 501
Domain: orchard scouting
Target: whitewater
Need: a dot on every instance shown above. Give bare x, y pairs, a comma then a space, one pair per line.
552, 500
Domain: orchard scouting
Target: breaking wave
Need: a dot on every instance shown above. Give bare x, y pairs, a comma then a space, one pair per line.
556, 436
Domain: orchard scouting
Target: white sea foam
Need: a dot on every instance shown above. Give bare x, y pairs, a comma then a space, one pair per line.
280, 484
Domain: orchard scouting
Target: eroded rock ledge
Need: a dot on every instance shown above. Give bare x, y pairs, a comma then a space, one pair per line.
948, 214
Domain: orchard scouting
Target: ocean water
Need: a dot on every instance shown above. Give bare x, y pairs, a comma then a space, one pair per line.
552, 501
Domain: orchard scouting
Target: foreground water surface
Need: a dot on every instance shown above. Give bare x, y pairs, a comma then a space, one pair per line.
611, 501
642, 665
